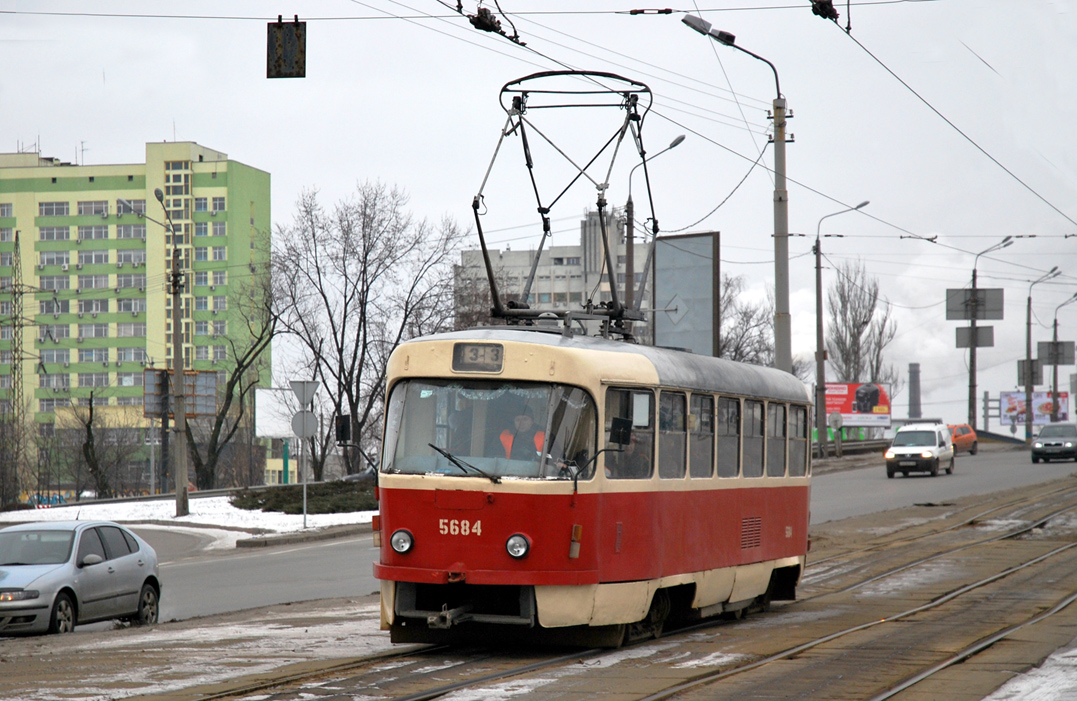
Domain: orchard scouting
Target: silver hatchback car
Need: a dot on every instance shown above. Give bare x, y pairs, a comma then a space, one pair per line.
54, 576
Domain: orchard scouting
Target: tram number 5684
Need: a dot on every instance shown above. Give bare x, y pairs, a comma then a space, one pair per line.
454, 526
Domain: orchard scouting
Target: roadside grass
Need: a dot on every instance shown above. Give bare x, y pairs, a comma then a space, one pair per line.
322, 498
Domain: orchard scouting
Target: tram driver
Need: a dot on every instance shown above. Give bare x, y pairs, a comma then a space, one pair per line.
523, 441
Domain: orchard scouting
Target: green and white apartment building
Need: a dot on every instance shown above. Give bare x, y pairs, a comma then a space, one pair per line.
94, 260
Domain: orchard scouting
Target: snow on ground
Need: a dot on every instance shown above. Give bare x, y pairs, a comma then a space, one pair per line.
204, 512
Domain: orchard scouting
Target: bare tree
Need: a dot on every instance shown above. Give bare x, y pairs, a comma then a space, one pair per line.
99, 441
860, 329
208, 440
355, 282
747, 331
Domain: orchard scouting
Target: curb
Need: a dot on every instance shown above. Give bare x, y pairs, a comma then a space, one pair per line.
304, 536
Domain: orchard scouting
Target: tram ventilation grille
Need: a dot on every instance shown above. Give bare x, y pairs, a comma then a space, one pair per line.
751, 532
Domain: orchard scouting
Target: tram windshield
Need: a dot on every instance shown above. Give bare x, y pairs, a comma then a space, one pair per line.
490, 428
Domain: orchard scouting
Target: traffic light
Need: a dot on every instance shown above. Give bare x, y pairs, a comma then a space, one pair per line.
344, 428
824, 8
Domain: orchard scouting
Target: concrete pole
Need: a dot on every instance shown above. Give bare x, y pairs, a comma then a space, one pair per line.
972, 355
1028, 368
915, 411
630, 252
1054, 380
783, 353
178, 385
820, 355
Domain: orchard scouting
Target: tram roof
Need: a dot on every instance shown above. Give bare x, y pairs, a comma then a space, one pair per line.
675, 368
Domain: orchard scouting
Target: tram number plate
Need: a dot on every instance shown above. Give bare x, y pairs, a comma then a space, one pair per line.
452, 526
478, 357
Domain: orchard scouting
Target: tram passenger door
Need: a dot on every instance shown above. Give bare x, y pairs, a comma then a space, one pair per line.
628, 511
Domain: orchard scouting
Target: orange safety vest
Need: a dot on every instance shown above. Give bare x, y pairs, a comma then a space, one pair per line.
506, 441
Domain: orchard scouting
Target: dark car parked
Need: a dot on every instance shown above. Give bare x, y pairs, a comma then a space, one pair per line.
1055, 442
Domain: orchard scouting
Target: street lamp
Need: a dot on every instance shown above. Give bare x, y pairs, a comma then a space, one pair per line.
630, 225
1008, 241
1057, 359
783, 353
820, 349
1053, 272
179, 407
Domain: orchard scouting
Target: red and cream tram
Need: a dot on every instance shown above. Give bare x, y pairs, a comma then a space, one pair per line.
581, 490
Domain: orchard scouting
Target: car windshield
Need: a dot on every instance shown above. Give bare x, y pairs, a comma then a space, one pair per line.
489, 428
35, 547
911, 438
1058, 431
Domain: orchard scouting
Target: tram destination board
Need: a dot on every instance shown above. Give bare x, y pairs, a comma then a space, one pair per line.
478, 357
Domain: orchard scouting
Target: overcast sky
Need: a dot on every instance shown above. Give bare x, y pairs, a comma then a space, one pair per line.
955, 118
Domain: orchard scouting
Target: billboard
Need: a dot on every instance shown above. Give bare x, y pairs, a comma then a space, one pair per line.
1012, 407
859, 403
686, 274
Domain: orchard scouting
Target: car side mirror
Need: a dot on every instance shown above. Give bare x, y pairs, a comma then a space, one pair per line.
91, 559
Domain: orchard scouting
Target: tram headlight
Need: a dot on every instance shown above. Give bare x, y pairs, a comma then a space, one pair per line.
401, 541
517, 546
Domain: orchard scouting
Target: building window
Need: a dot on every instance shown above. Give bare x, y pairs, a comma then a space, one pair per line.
87, 233
131, 330
129, 401
57, 380
93, 355
7, 209
220, 277
93, 379
55, 306
201, 353
49, 406
201, 228
220, 328
219, 228
5, 357
220, 352
93, 282
201, 328
201, 278
131, 305
7, 235
131, 255
201, 204
53, 258
54, 282
544, 297
5, 308
201, 304
55, 355
5, 259
99, 257
7, 333
131, 231
220, 253
218, 204
129, 379
130, 280
5, 284
220, 303
93, 330
97, 207
53, 209
131, 355
54, 233
130, 206
93, 306
201, 253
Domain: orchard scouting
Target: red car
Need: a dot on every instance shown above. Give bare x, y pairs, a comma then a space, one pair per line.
964, 438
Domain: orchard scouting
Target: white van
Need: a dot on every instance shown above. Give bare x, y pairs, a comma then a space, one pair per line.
920, 448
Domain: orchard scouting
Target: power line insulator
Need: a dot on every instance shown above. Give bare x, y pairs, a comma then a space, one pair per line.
824, 8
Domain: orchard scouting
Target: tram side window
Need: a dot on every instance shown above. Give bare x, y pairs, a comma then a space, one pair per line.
701, 436
775, 440
798, 441
753, 439
728, 428
672, 436
634, 459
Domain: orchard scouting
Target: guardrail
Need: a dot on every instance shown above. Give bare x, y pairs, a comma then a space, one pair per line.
856, 447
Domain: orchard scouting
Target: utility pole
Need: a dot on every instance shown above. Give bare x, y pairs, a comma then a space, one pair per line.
179, 379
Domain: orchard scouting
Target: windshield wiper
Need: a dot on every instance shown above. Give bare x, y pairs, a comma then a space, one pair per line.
464, 467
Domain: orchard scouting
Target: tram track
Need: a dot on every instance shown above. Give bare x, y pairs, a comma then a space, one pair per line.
476, 681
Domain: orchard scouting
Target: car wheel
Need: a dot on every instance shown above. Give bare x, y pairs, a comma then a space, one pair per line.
63, 615
147, 606
1035, 460
950, 470
975, 448
935, 468
890, 474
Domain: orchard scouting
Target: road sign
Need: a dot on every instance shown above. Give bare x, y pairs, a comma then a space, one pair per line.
985, 336
1055, 353
987, 304
305, 424
1022, 373
304, 390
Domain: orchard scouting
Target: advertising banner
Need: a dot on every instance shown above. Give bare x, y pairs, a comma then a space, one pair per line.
859, 403
1012, 408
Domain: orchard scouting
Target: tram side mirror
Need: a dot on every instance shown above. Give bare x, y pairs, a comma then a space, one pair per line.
620, 430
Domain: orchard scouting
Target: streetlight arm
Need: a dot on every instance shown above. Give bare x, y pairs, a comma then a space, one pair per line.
704, 27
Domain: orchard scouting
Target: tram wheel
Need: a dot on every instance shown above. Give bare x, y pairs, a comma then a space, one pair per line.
652, 623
